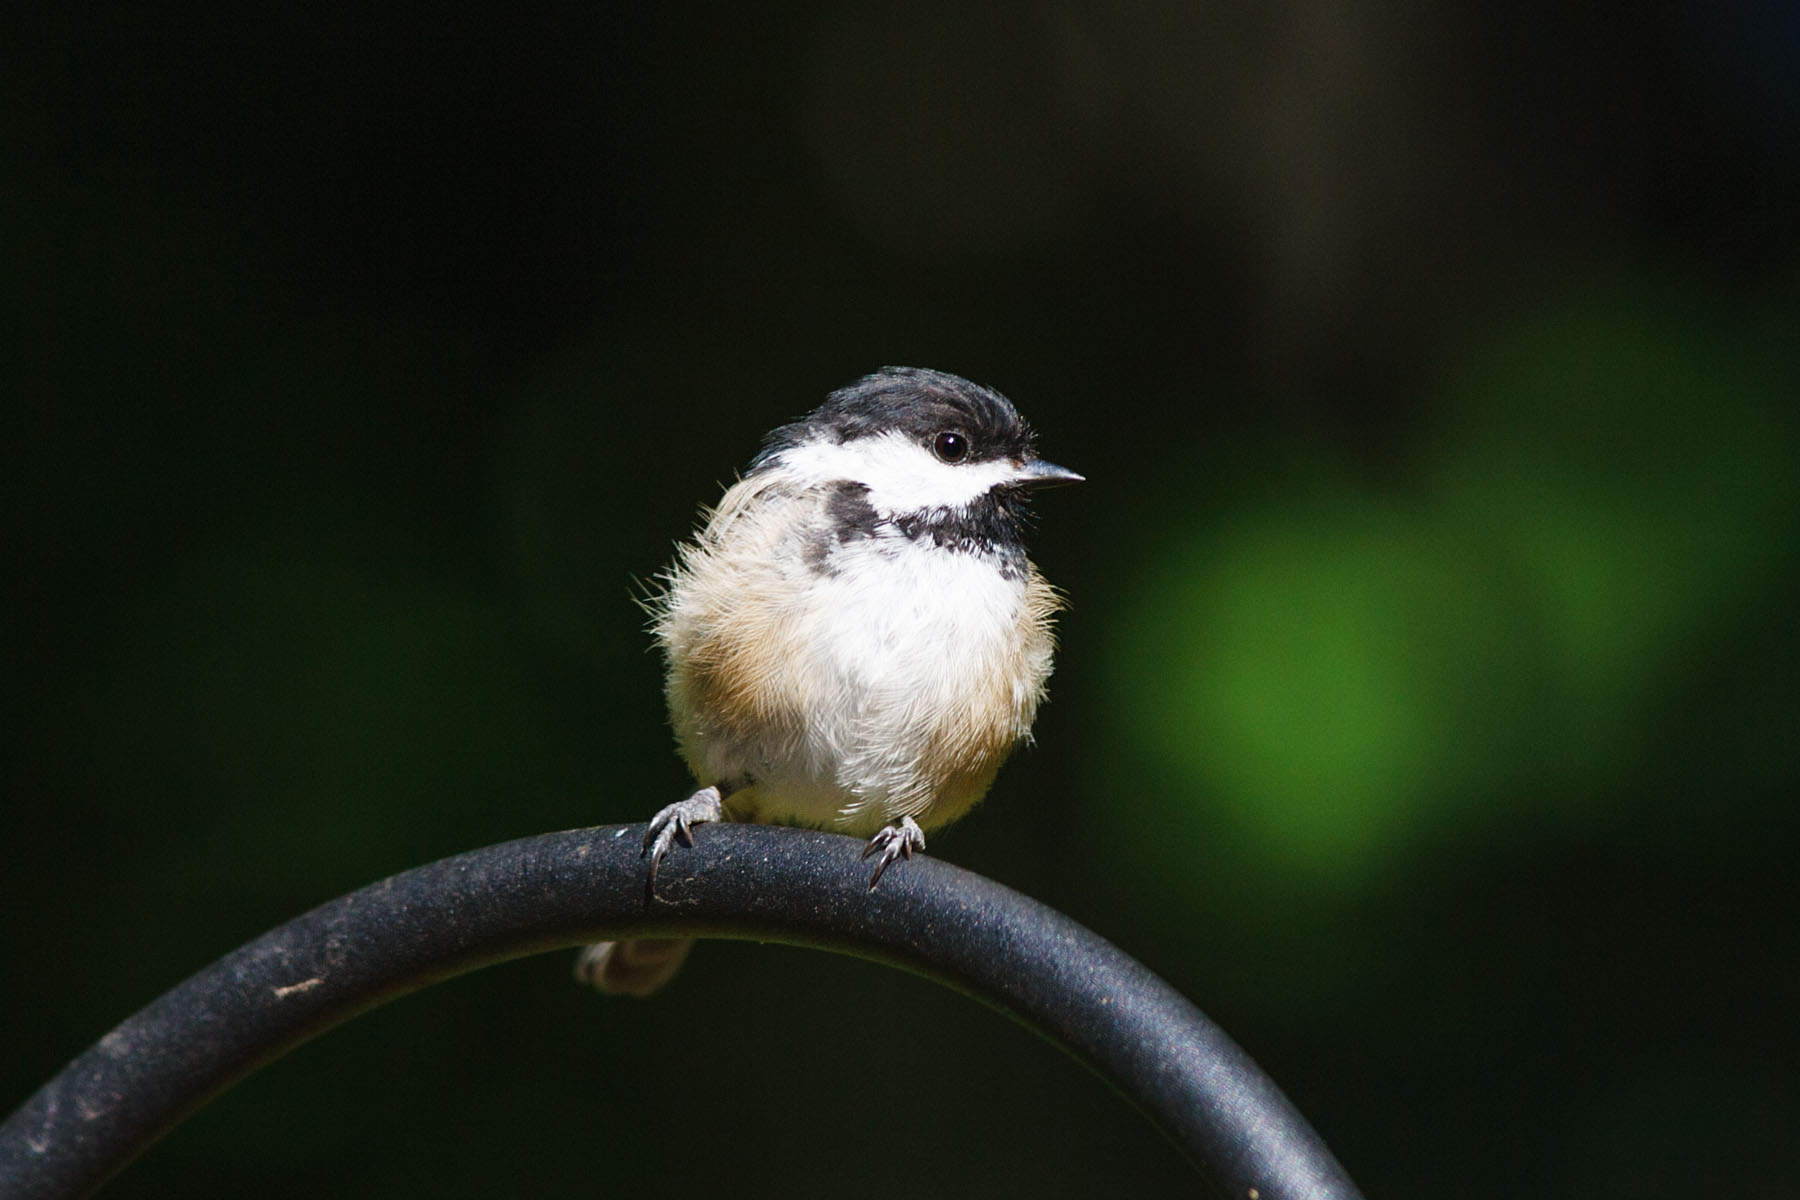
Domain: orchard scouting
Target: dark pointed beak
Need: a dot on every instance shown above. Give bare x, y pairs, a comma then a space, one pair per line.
1037, 473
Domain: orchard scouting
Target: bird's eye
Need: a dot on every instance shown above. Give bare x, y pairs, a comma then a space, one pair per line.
950, 446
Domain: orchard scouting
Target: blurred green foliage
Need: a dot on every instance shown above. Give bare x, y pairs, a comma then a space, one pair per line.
1425, 708
1603, 491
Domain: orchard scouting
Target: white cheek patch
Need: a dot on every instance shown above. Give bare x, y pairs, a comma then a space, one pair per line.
901, 475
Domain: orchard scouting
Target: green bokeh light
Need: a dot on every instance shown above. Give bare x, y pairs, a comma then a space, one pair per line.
1635, 459
1318, 674
1314, 687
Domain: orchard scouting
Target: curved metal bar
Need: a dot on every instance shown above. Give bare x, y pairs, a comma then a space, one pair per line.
740, 881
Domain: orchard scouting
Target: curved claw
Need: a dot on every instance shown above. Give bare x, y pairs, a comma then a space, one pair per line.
900, 840
675, 824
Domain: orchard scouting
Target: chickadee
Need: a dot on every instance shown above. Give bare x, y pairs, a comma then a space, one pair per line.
856, 639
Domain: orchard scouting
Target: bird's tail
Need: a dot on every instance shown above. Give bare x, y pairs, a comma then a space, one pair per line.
633, 967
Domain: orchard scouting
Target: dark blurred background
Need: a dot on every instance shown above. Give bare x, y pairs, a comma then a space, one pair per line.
1427, 706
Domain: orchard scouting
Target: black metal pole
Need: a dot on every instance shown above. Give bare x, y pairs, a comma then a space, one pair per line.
744, 881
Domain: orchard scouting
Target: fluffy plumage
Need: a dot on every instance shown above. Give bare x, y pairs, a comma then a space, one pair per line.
855, 638
887, 677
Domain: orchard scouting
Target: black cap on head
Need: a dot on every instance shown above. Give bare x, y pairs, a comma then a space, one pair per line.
918, 403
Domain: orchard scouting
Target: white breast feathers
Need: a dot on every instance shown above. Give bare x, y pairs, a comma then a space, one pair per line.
847, 682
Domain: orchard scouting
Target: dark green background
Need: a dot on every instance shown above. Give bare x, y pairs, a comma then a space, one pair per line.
1426, 709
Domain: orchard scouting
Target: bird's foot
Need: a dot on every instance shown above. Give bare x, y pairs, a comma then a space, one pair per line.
902, 839
674, 824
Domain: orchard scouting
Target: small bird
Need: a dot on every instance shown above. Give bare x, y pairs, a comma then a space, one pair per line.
855, 640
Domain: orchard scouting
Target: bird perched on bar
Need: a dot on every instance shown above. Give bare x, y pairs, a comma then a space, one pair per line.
855, 638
